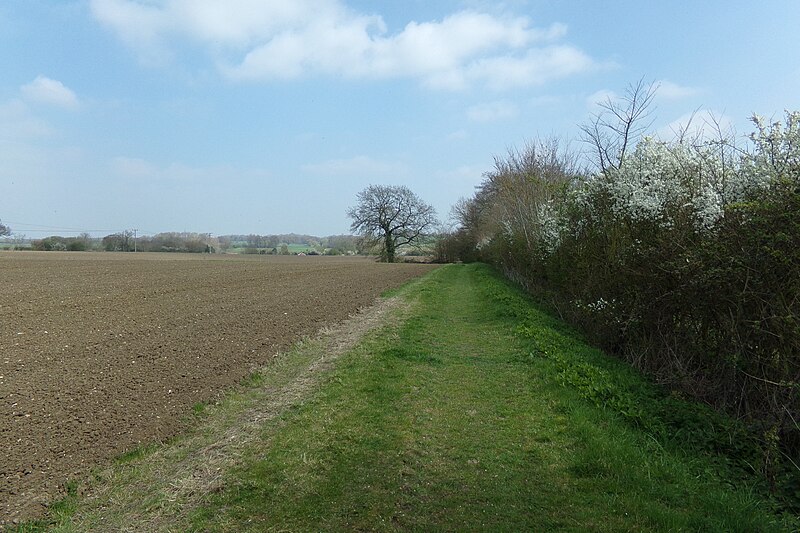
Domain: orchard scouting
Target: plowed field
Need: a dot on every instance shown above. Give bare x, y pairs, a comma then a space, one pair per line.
100, 353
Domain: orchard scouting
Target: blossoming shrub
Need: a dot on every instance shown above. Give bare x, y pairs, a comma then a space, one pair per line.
685, 260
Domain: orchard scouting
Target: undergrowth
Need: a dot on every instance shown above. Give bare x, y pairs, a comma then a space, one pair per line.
669, 417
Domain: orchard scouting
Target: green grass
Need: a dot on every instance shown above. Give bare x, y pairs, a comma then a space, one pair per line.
474, 411
446, 422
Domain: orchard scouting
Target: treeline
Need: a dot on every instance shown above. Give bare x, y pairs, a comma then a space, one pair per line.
126, 241
188, 242
82, 243
181, 242
269, 241
681, 256
253, 243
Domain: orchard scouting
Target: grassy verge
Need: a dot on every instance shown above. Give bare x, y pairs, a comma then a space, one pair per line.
471, 411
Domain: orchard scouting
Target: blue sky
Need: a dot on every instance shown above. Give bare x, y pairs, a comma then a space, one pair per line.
254, 116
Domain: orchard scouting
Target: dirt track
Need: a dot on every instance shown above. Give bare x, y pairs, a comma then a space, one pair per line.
100, 353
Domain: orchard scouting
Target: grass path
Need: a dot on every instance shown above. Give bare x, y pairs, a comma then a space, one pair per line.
464, 413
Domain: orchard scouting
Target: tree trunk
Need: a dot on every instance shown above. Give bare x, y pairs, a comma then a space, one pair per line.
389, 240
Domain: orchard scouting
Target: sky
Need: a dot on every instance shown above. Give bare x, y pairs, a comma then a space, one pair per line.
261, 116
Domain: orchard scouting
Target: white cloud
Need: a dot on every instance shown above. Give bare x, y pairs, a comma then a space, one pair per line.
458, 135
545, 100
492, 111
138, 25
703, 124
665, 90
668, 90
242, 22
594, 100
357, 167
48, 91
464, 174
16, 122
537, 67
141, 170
131, 167
260, 40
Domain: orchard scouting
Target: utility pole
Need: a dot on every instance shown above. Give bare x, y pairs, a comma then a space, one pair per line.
134, 239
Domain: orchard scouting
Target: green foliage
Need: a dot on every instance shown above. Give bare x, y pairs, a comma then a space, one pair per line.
253, 380
670, 418
136, 453
56, 243
183, 242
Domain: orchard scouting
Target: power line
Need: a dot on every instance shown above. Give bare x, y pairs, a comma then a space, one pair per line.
41, 228
45, 228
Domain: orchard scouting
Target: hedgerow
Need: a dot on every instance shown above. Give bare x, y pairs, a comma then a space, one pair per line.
683, 258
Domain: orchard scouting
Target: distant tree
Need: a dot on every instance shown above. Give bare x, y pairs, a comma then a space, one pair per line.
4, 230
341, 243
20, 242
76, 244
390, 217
224, 243
55, 243
118, 242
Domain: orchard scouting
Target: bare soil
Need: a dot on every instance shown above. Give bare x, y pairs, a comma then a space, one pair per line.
102, 353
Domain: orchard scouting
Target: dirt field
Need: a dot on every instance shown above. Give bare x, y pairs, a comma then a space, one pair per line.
100, 353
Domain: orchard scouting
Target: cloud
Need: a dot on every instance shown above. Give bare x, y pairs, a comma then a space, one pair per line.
492, 111
132, 167
16, 122
143, 171
668, 90
537, 67
665, 90
259, 40
47, 91
356, 167
594, 100
464, 174
458, 135
704, 125
140, 26
545, 100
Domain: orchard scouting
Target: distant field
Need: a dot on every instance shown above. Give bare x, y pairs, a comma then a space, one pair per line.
103, 351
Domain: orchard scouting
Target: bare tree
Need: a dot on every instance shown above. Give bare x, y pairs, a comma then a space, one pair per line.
4, 230
614, 130
391, 216
118, 242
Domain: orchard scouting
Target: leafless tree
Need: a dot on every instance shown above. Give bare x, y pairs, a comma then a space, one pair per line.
4, 230
614, 130
390, 217
118, 242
